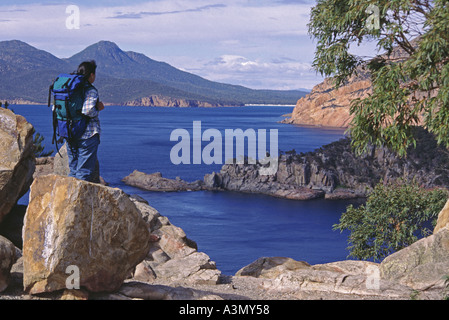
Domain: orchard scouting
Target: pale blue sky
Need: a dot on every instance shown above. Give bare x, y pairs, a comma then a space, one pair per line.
256, 43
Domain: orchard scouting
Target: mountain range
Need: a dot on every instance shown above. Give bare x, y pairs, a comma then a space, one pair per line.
123, 78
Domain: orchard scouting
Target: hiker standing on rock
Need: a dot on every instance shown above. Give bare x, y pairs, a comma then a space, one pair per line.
75, 119
82, 152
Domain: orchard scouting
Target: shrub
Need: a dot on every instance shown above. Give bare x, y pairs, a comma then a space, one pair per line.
395, 215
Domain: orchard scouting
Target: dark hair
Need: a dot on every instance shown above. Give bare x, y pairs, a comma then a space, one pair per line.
87, 68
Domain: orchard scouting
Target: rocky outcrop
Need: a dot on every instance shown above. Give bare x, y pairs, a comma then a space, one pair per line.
174, 270
424, 265
162, 101
17, 162
246, 178
173, 258
421, 266
337, 172
155, 182
106, 235
330, 107
73, 223
443, 219
8, 256
334, 172
228, 180
347, 279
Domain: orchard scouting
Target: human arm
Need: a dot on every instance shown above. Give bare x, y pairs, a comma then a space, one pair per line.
100, 105
91, 102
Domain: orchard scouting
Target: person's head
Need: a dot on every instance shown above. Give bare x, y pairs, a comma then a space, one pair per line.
88, 69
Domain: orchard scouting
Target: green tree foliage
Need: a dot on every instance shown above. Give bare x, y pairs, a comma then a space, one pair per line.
405, 89
394, 216
38, 147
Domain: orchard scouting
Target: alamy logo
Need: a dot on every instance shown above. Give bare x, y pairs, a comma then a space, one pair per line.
373, 277
73, 20
73, 280
373, 21
212, 153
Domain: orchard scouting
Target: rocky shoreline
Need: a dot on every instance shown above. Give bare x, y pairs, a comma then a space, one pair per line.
414, 273
162, 101
331, 172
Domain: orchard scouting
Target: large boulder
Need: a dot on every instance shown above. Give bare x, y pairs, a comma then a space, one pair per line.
74, 227
61, 162
424, 265
17, 161
8, 255
443, 219
337, 280
271, 267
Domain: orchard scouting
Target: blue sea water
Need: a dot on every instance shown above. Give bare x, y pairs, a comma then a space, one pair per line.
234, 229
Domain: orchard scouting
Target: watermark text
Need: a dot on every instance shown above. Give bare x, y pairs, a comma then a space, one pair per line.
73, 20
189, 149
73, 280
373, 21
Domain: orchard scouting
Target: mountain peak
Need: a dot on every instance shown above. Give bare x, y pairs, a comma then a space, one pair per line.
101, 48
106, 53
17, 45
19, 55
14, 43
106, 45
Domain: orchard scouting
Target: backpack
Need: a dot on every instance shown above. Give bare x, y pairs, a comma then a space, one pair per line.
68, 92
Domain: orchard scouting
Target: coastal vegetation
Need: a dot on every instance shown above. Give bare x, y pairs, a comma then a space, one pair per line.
408, 89
395, 216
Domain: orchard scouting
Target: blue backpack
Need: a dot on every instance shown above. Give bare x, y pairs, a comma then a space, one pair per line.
68, 92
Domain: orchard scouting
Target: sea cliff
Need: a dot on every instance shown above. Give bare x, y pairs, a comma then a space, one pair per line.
329, 106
